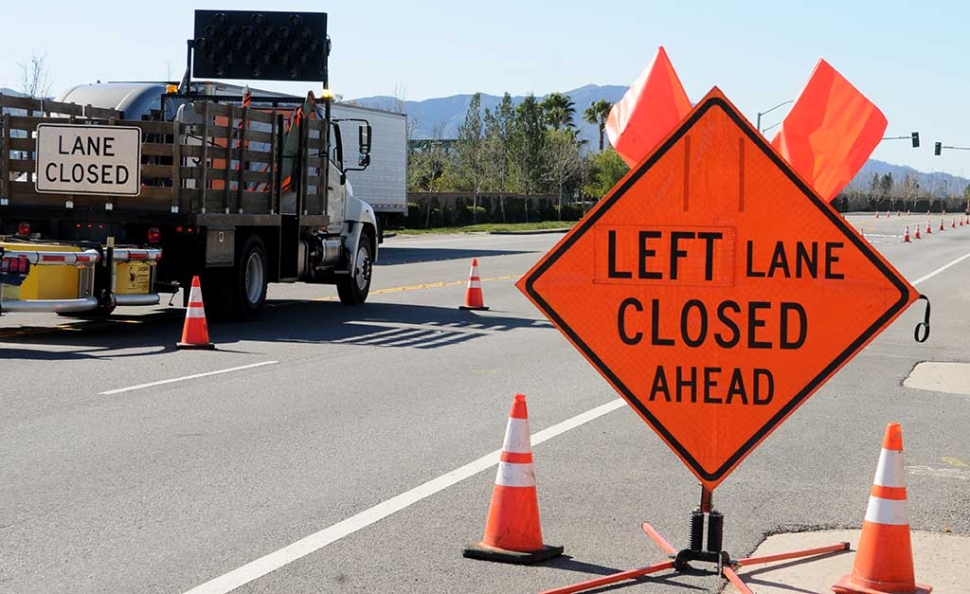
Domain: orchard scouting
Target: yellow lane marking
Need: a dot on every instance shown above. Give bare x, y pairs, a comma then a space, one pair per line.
427, 286
955, 462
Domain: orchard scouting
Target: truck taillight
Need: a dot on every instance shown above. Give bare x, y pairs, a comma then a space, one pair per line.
23, 228
14, 265
154, 235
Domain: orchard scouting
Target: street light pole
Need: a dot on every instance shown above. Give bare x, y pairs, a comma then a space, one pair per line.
766, 112
913, 137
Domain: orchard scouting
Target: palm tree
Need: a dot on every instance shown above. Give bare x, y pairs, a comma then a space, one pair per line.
558, 111
597, 113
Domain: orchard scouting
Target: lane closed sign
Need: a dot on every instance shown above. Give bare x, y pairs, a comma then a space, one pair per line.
76, 159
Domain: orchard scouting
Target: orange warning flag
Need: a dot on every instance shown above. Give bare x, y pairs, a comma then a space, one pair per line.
654, 104
830, 131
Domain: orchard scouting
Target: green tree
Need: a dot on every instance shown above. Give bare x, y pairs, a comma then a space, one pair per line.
470, 149
886, 184
499, 128
429, 167
558, 111
607, 169
597, 113
528, 148
874, 183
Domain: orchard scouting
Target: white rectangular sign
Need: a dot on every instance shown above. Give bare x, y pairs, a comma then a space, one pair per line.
77, 159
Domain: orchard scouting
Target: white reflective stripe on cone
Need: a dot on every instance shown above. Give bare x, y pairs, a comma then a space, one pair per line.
894, 512
515, 475
195, 295
195, 312
517, 440
474, 284
889, 472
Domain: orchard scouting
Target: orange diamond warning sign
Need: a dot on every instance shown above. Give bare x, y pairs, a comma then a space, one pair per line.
715, 290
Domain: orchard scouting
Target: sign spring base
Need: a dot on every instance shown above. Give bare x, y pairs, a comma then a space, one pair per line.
680, 560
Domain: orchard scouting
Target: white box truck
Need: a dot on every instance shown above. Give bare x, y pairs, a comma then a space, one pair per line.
385, 181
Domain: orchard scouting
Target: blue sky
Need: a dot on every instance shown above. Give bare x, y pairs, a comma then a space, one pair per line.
910, 58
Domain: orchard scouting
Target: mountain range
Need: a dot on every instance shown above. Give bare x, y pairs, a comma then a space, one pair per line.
448, 113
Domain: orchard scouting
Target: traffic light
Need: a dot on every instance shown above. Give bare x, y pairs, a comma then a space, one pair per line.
242, 44
938, 148
915, 139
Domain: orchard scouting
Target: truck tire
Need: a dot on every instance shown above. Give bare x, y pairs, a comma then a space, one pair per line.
353, 288
251, 279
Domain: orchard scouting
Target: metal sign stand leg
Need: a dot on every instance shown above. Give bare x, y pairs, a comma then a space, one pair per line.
713, 553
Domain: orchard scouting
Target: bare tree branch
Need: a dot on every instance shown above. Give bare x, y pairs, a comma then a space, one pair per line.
35, 80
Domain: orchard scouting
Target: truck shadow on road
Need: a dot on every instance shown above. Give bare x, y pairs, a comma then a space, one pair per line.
393, 256
381, 325
308, 322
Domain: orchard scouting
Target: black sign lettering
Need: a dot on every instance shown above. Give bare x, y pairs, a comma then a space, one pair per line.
621, 322
645, 253
613, 272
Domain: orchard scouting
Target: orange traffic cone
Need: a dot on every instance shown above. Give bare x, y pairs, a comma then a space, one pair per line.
906, 235
877, 213
942, 226
473, 294
195, 332
909, 214
917, 235
512, 531
953, 223
929, 229
884, 558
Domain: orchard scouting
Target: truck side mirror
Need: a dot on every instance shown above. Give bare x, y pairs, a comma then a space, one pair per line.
364, 139
338, 147
363, 161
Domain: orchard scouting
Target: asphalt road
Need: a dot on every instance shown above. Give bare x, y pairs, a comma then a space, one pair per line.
329, 422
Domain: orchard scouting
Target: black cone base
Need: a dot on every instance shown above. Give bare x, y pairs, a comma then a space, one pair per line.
487, 553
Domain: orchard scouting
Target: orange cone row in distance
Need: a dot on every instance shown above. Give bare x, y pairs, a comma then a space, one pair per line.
195, 331
512, 531
474, 300
884, 557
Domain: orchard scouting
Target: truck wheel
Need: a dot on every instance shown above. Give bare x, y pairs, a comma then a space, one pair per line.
353, 288
252, 276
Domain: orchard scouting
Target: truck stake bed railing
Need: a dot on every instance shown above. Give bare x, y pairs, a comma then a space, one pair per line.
224, 159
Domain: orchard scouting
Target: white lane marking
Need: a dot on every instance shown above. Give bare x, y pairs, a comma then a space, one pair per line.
940, 269
186, 378
290, 553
